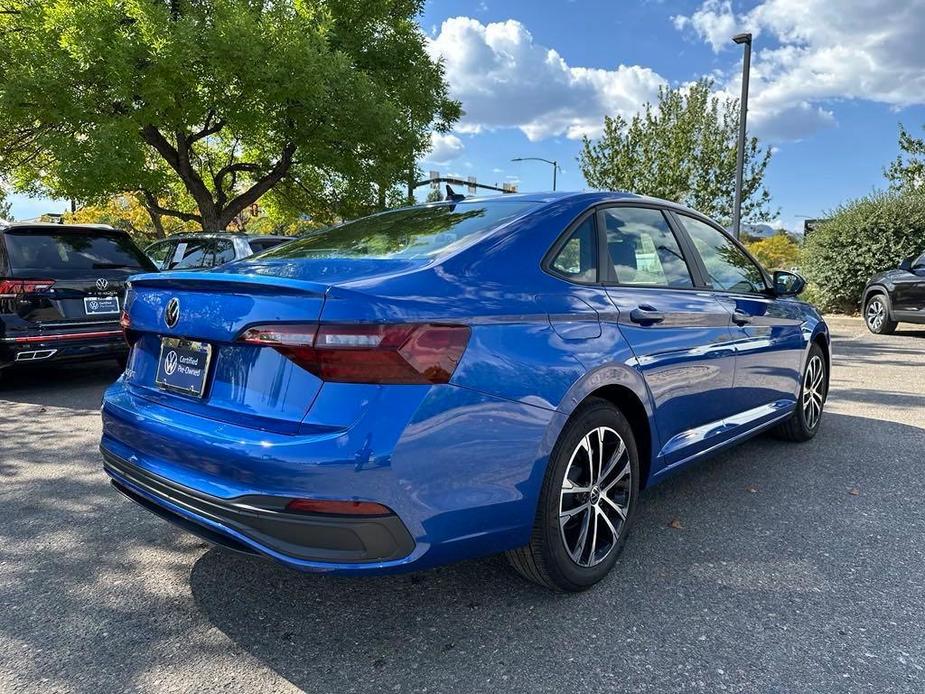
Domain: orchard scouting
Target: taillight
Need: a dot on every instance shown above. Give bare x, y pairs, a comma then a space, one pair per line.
13, 289
358, 353
131, 337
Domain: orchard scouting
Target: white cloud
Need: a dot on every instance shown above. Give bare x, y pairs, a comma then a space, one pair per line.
444, 148
714, 22
506, 80
819, 51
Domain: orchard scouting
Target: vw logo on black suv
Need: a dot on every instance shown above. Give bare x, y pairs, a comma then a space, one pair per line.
102, 284
172, 312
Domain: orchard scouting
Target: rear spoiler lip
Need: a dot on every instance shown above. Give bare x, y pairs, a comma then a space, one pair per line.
183, 280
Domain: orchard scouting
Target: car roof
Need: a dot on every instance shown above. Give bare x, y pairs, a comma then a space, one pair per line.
588, 197
221, 235
46, 226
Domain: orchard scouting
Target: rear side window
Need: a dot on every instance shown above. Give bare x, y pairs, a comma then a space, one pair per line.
577, 259
73, 249
643, 249
415, 232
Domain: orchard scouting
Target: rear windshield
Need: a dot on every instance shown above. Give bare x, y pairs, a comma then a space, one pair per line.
73, 250
416, 232
258, 245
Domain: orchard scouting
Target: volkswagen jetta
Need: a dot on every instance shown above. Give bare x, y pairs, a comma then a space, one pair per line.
452, 380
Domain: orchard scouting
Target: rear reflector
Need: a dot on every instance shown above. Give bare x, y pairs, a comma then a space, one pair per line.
358, 353
11, 289
342, 508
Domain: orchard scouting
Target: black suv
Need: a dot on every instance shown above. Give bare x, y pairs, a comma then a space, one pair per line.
894, 296
203, 250
61, 289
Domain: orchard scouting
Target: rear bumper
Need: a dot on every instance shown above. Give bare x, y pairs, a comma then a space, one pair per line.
259, 525
101, 343
461, 470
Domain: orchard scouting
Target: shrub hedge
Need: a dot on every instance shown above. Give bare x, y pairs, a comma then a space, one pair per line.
863, 237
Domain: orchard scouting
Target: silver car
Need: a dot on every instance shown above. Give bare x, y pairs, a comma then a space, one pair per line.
201, 251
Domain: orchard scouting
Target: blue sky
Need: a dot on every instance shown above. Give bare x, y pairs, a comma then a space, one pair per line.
830, 82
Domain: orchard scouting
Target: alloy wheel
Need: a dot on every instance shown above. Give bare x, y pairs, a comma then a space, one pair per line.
876, 314
813, 391
595, 497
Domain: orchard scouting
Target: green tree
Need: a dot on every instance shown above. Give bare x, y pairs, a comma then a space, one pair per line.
130, 213
684, 149
907, 172
221, 100
6, 208
776, 252
861, 238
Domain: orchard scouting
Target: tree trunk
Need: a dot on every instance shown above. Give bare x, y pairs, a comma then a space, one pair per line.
157, 223
214, 213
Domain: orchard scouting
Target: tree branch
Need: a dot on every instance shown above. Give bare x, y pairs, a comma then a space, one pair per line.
263, 184
207, 128
152, 205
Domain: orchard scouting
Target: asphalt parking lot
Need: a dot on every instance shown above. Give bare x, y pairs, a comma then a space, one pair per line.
796, 568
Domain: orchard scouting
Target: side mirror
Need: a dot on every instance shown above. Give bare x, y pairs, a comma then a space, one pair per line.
906, 264
788, 283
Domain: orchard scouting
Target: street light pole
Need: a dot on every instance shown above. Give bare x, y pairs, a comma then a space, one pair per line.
746, 40
555, 166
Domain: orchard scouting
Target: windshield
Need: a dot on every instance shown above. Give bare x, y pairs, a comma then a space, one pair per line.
415, 232
76, 249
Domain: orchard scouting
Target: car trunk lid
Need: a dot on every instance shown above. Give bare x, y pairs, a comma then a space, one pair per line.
244, 384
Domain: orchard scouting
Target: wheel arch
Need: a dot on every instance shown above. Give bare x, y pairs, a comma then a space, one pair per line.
635, 412
877, 289
626, 390
822, 340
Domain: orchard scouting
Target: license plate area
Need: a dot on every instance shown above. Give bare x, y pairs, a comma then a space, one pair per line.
183, 366
101, 305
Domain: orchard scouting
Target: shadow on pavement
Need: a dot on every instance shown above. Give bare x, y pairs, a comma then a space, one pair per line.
73, 386
780, 579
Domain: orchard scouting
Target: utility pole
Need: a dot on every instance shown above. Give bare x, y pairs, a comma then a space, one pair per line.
746, 40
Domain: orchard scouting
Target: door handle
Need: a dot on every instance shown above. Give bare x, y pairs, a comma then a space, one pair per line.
739, 317
646, 315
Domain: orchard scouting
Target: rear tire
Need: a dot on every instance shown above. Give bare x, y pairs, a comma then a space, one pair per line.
806, 418
877, 315
591, 486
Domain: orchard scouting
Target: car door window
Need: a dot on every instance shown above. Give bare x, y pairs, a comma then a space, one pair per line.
577, 259
728, 267
643, 250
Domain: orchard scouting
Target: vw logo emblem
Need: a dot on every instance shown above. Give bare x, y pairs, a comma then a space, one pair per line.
170, 363
102, 283
172, 312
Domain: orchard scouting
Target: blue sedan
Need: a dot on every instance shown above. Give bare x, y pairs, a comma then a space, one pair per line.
458, 379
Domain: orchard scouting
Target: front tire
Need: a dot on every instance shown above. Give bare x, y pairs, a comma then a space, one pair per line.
804, 422
877, 315
587, 502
